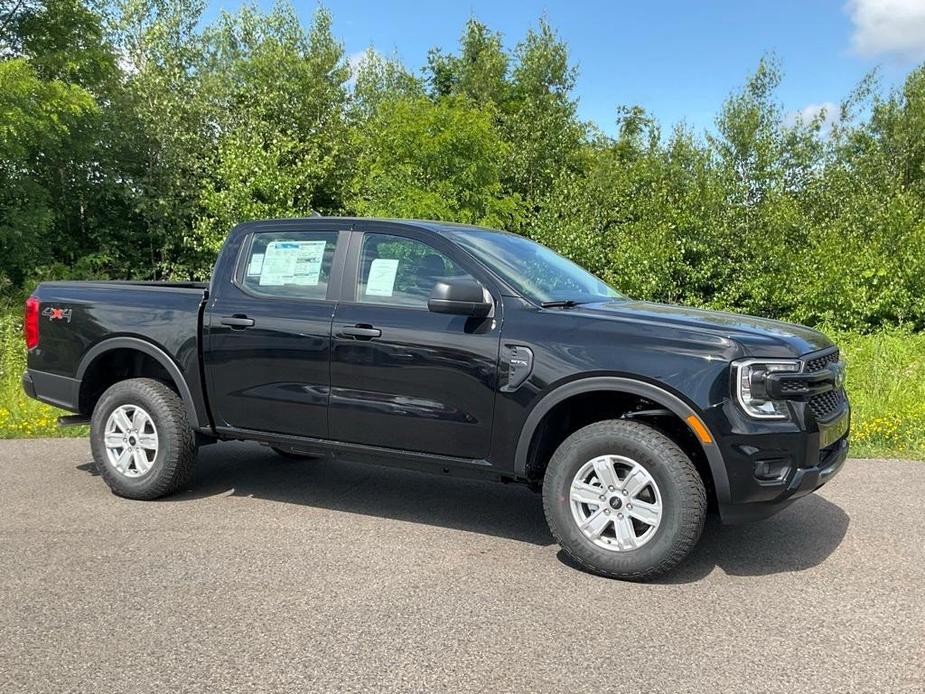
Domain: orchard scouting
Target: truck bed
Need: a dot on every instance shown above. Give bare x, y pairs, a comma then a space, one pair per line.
157, 284
76, 317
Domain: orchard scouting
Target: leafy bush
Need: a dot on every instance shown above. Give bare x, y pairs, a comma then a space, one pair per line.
432, 160
132, 139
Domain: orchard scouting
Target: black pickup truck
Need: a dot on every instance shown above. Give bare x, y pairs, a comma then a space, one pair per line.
453, 349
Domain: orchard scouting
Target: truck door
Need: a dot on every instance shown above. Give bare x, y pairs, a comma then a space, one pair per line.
268, 332
401, 376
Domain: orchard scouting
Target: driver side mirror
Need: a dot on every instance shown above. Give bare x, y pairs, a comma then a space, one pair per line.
460, 296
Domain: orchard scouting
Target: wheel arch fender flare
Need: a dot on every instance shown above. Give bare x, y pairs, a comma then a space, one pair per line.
644, 389
151, 350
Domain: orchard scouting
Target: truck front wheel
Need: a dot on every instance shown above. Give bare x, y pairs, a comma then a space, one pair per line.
142, 443
623, 500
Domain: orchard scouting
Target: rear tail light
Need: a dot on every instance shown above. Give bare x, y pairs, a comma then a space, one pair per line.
30, 324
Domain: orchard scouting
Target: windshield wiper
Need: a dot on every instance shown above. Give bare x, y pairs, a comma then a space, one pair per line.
561, 303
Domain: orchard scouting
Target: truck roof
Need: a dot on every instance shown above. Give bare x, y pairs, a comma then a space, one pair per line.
433, 226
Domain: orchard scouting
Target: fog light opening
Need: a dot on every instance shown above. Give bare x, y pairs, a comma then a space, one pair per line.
774, 470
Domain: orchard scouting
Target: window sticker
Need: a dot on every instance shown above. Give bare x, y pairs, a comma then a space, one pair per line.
278, 263
307, 270
253, 270
381, 280
292, 262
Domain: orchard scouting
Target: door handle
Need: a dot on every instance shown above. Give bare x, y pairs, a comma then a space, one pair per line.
359, 332
237, 321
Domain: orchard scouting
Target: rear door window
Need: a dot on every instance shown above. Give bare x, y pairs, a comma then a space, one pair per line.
291, 264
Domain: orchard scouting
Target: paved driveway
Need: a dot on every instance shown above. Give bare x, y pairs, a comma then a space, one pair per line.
270, 575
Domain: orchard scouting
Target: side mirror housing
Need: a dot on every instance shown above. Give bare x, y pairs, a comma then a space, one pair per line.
459, 296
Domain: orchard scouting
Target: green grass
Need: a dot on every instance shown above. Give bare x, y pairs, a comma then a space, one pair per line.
21, 416
886, 383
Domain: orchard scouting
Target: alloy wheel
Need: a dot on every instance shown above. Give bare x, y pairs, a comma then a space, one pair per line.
616, 503
131, 440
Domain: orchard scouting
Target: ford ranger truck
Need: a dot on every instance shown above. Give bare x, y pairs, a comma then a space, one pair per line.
453, 349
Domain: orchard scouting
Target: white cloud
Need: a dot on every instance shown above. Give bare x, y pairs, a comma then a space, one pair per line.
356, 60
126, 64
812, 111
889, 27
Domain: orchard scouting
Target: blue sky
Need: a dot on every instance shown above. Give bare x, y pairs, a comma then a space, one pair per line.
677, 58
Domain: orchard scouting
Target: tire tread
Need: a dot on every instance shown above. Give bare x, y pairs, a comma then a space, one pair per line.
681, 468
177, 467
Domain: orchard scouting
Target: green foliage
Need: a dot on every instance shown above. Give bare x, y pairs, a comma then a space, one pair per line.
281, 147
478, 72
432, 160
539, 119
529, 95
133, 135
886, 383
168, 117
68, 160
866, 220
378, 79
765, 216
38, 118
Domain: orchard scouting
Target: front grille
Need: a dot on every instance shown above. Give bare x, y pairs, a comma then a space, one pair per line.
791, 386
820, 362
825, 405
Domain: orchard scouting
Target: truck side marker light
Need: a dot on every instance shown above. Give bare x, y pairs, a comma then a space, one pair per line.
699, 429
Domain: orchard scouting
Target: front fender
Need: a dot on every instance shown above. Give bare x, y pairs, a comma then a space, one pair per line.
625, 385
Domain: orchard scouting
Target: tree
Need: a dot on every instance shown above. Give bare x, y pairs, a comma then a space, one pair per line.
133, 135
529, 94
281, 144
864, 265
64, 82
37, 118
432, 160
172, 125
377, 79
540, 119
478, 72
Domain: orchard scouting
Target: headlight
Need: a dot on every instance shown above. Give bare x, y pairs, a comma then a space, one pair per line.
750, 375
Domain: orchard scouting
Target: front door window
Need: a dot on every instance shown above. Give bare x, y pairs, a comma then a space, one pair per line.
399, 271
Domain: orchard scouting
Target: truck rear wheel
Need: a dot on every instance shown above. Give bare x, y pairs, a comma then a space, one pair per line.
623, 500
142, 443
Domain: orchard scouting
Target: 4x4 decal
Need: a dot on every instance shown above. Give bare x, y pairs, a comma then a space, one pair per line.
54, 313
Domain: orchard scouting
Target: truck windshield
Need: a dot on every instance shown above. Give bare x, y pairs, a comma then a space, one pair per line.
540, 274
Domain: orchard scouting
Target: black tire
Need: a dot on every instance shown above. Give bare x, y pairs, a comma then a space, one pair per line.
176, 440
291, 455
683, 497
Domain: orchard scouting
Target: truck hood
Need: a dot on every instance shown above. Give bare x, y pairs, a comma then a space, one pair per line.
760, 337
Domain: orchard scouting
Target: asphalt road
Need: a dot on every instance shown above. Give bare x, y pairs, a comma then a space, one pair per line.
269, 575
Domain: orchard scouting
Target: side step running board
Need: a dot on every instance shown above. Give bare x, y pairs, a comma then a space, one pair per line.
73, 420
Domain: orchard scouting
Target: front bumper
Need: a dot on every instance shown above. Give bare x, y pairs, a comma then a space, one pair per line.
799, 483
770, 466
